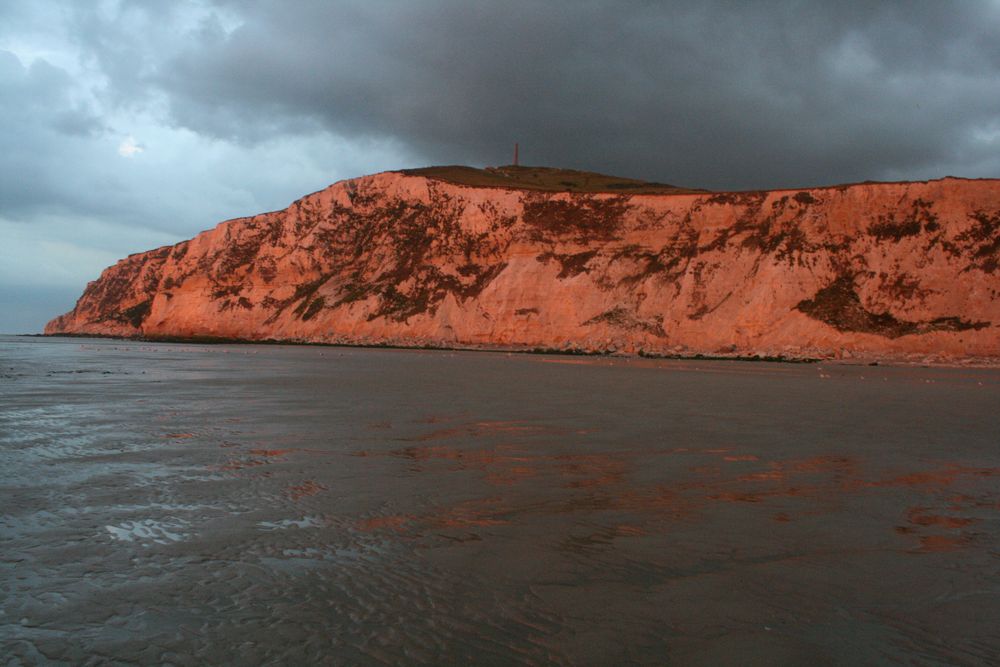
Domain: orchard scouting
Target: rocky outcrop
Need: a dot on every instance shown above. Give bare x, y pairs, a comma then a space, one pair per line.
416, 258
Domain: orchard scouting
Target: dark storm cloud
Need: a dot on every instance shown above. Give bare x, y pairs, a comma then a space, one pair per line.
715, 94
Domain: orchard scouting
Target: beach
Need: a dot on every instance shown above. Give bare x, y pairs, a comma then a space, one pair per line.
192, 504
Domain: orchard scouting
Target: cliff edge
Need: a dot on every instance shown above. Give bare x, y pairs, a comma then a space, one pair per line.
543, 258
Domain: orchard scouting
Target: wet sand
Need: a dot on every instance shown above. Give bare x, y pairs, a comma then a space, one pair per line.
188, 504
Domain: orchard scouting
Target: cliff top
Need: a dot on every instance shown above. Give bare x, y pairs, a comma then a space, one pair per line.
554, 179
547, 179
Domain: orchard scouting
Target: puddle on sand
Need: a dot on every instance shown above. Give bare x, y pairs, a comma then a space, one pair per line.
284, 524
148, 531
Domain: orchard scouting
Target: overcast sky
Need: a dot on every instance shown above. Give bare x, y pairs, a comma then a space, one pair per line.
125, 125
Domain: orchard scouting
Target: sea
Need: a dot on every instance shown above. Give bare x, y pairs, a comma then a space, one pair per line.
182, 504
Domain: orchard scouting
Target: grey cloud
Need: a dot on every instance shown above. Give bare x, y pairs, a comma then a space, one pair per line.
58, 156
45, 158
78, 122
720, 95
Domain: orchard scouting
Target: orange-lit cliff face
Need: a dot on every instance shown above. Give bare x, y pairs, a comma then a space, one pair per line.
875, 270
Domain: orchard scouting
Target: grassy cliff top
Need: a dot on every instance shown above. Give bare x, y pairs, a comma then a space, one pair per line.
548, 179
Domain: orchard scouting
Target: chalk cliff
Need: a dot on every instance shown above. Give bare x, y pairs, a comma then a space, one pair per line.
461, 257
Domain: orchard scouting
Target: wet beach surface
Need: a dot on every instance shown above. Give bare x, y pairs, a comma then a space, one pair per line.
188, 505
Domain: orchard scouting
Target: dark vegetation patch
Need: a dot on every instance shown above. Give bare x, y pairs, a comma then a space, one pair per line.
223, 291
526, 311
150, 275
750, 220
668, 263
309, 288
236, 255
747, 198
586, 217
950, 323
107, 293
428, 289
623, 318
572, 265
919, 219
763, 232
630, 186
135, 315
354, 291
546, 179
229, 304
792, 243
902, 287
888, 228
435, 286
392, 251
180, 251
401, 306
782, 242
839, 306
305, 295
309, 309
158, 254
266, 268
984, 239
804, 198
136, 277
244, 252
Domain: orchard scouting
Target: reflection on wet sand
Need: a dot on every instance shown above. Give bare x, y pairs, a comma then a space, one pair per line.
383, 523
305, 489
396, 507
816, 484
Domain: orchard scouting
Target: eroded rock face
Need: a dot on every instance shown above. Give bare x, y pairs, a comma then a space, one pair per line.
871, 270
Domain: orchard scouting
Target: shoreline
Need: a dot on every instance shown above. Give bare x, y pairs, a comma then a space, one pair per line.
927, 361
